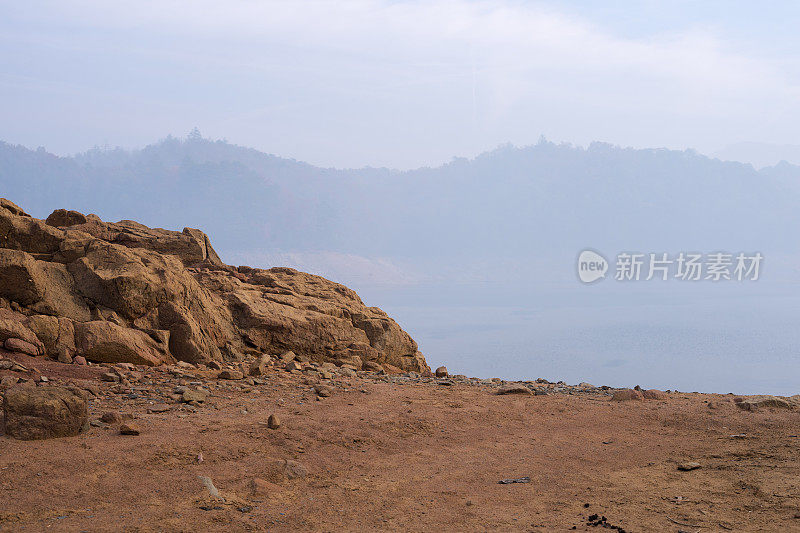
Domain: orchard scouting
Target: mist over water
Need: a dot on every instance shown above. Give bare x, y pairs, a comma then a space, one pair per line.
730, 336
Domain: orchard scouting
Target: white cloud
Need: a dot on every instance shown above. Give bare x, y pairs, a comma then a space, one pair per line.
386, 82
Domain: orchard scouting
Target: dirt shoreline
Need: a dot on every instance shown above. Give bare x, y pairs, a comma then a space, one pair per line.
395, 453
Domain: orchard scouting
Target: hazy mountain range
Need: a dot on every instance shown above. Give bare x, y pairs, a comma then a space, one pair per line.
507, 203
476, 258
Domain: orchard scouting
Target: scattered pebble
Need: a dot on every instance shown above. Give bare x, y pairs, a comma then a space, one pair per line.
273, 422
128, 429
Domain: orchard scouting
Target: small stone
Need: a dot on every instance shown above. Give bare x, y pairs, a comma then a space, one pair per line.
273, 422
347, 372
259, 366
6, 364
230, 374
654, 394
191, 395
294, 470
110, 376
158, 408
323, 391
128, 429
111, 417
285, 357
98, 424
262, 487
79, 360
690, 465
214, 365
513, 388
441, 372
627, 394
293, 366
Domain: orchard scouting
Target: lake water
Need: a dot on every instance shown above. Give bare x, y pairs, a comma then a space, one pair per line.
702, 337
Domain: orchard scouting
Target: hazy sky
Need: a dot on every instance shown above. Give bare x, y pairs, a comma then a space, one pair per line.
397, 83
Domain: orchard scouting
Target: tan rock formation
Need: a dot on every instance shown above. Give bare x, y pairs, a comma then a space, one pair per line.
122, 292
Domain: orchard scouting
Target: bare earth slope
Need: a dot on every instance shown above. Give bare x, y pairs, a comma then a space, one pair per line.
189, 395
379, 452
123, 292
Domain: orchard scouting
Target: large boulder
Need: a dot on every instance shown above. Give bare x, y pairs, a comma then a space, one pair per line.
13, 326
282, 307
63, 218
44, 412
56, 333
106, 342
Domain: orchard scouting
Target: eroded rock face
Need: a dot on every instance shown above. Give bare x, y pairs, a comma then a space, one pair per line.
75, 286
106, 342
44, 412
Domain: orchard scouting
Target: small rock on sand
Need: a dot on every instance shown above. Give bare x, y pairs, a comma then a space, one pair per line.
753, 403
294, 470
323, 391
627, 394
129, 429
689, 465
514, 388
293, 366
441, 372
285, 357
191, 395
262, 487
111, 417
273, 422
654, 394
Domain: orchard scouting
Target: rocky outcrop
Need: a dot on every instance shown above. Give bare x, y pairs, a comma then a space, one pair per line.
754, 403
74, 285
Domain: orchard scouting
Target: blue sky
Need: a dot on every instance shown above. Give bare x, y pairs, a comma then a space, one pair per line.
400, 84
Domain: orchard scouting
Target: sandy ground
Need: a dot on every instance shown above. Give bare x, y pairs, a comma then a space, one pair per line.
408, 457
